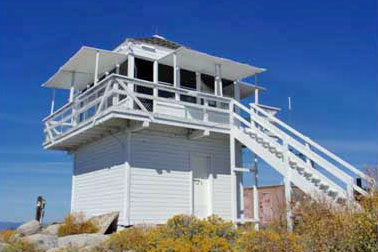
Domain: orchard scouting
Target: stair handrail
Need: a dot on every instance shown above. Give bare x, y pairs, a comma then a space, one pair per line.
313, 143
284, 136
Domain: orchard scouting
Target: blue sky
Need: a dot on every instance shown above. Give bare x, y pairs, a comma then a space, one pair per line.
322, 54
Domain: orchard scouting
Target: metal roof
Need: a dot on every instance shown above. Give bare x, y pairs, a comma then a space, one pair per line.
160, 41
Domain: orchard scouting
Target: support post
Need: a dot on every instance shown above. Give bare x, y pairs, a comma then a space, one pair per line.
96, 67
130, 73
288, 190
198, 86
256, 96
52, 102
218, 80
176, 76
72, 96
72, 88
233, 178
156, 81
256, 216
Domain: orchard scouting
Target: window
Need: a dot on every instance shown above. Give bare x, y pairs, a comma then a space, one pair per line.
228, 88
207, 83
187, 79
123, 68
144, 69
165, 74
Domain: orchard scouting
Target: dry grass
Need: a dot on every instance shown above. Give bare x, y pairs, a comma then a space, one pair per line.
6, 234
76, 224
19, 245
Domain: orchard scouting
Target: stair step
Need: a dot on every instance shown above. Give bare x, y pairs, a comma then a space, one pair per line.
266, 144
273, 149
324, 187
315, 180
332, 194
300, 169
307, 174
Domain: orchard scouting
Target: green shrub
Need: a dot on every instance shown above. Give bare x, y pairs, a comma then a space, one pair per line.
76, 224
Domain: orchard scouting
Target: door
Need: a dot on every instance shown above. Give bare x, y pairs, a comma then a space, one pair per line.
200, 165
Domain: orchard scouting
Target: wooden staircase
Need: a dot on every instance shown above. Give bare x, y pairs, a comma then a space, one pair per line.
315, 170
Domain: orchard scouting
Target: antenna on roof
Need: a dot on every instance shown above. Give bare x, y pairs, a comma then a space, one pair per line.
289, 108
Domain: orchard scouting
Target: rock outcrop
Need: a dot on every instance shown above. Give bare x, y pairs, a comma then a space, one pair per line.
51, 229
28, 228
107, 223
82, 240
42, 241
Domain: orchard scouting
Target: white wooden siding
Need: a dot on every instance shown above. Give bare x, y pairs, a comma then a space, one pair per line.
160, 175
161, 182
100, 191
99, 177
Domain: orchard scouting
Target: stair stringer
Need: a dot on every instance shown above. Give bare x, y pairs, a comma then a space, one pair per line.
279, 165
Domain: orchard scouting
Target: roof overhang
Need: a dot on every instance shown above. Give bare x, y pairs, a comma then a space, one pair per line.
205, 63
79, 69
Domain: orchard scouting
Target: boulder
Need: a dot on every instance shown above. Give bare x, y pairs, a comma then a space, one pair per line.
82, 240
51, 229
28, 228
42, 241
107, 223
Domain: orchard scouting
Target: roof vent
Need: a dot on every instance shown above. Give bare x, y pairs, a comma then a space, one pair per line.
159, 37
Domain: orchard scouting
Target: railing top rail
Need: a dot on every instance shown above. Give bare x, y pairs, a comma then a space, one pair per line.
243, 107
313, 144
94, 86
58, 111
187, 91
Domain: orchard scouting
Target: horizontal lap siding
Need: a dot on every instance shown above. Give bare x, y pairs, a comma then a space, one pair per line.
100, 170
161, 175
100, 191
104, 153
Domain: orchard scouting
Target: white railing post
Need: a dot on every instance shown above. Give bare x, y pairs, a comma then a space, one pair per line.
205, 112
287, 183
256, 216
115, 94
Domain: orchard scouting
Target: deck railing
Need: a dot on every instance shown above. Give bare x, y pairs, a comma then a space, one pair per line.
152, 100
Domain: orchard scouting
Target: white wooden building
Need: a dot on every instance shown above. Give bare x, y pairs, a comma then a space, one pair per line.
157, 129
